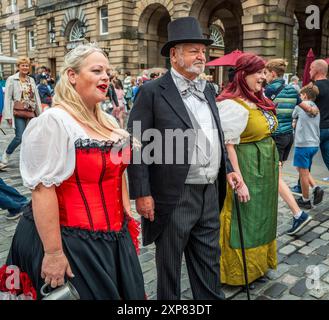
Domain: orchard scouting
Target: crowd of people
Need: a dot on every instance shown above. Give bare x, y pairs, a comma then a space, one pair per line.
121, 94
79, 226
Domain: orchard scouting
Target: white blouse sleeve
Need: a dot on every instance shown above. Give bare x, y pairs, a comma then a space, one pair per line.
234, 119
47, 152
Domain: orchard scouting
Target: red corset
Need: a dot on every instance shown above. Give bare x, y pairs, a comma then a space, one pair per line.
92, 197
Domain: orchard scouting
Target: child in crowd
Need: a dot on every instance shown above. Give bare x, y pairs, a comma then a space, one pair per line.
307, 141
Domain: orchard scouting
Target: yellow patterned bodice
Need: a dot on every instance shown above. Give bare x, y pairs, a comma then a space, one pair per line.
261, 124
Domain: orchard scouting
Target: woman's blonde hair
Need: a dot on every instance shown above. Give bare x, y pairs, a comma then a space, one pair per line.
68, 98
44, 81
23, 60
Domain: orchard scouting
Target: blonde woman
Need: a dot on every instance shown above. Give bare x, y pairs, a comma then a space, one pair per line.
19, 87
73, 157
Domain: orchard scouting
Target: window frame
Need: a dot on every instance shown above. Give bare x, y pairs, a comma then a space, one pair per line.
75, 31
50, 25
1, 71
30, 39
29, 3
13, 6
14, 42
101, 19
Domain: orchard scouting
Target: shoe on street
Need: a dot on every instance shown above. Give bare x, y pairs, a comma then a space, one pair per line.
5, 158
296, 189
304, 204
2, 165
317, 195
13, 216
299, 223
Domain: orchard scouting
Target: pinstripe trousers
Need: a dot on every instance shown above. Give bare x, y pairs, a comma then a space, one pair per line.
192, 229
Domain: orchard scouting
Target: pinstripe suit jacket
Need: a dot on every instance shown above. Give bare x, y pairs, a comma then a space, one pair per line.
159, 105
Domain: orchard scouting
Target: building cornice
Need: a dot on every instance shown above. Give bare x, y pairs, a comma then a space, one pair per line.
26, 23
53, 6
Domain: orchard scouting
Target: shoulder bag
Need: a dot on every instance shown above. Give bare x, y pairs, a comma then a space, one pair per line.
23, 110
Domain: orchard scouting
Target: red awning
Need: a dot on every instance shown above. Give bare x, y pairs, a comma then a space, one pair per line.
226, 60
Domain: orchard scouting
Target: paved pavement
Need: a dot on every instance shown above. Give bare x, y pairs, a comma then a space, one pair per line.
303, 270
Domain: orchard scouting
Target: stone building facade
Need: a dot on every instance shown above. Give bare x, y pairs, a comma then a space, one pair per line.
133, 31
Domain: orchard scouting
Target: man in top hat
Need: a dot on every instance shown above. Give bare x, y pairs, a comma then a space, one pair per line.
180, 200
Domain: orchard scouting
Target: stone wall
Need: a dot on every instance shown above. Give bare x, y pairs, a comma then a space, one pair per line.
137, 28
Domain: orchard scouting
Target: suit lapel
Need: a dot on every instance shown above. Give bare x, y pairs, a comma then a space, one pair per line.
212, 104
175, 101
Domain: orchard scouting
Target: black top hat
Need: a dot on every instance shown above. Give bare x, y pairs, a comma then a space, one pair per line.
184, 30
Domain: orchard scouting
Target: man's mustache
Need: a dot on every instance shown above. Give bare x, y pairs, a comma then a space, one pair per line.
200, 62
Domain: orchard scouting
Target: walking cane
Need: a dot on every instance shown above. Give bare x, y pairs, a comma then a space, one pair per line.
238, 213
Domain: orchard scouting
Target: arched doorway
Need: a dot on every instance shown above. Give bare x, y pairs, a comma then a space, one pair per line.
307, 38
217, 49
220, 20
325, 33
152, 29
229, 13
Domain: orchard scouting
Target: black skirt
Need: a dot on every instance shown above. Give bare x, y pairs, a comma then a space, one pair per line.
105, 264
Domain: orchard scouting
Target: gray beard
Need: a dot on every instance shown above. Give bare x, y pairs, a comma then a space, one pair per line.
192, 69
195, 69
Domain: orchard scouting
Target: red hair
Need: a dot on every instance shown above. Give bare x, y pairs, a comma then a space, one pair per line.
247, 64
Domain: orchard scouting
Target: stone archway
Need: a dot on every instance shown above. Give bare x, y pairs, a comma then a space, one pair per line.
73, 14
315, 39
152, 35
325, 33
287, 7
226, 17
228, 12
72, 19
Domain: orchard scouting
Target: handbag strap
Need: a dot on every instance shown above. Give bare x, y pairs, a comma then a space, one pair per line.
276, 93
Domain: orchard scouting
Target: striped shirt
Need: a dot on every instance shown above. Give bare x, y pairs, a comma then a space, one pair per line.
285, 101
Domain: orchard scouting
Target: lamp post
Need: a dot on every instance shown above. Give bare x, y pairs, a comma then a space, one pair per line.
83, 29
107, 51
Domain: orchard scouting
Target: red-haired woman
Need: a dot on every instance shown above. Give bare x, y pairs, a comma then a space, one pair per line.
248, 120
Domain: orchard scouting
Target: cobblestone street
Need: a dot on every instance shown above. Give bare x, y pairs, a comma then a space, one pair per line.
302, 273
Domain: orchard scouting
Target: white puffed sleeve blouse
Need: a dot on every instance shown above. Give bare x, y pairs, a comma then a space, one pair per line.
48, 151
234, 120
